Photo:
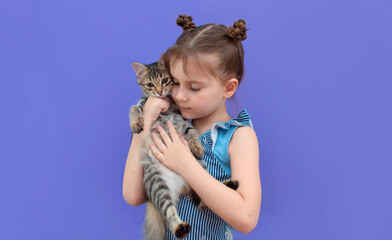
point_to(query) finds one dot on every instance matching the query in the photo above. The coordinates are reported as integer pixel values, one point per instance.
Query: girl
(207, 64)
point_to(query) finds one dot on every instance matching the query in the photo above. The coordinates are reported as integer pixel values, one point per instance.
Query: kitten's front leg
(195, 146)
(136, 117)
(194, 143)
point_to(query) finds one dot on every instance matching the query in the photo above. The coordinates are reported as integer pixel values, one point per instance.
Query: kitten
(163, 187)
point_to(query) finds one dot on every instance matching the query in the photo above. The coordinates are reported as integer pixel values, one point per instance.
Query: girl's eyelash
(193, 89)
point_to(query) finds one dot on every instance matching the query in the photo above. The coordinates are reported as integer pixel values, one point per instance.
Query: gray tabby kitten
(163, 187)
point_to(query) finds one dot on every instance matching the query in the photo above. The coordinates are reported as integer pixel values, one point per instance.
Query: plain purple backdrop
(317, 86)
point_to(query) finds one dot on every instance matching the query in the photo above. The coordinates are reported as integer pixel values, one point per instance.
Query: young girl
(207, 64)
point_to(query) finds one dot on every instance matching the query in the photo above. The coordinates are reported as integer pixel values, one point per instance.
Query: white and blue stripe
(206, 224)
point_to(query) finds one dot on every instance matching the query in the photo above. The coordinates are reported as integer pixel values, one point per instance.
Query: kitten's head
(153, 78)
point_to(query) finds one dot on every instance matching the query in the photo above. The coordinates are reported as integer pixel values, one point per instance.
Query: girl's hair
(200, 47)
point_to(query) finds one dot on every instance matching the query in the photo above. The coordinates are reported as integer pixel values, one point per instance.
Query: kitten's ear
(161, 63)
(139, 68)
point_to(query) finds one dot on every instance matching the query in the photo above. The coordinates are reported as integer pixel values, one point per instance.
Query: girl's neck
(204, 124)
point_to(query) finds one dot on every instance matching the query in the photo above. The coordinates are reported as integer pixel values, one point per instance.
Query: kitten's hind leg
(197, 201)
(164, 200)
(200, 204)
(232, 184)
(179, 228)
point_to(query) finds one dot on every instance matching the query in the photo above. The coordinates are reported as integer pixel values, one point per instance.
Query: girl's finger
(184, 141)
(164, 135)
(173, 132)
(162, 147)
(157, 153)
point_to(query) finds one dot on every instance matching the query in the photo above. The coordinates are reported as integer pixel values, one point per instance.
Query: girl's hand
(152, 108)
(174, 153)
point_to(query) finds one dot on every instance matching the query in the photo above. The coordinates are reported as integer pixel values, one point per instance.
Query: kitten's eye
(150, 85)
(165, 80)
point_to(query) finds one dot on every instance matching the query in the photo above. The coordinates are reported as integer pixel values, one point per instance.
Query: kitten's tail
(154, 226)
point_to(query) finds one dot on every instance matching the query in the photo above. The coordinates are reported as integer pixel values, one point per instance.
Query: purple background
(317, 86)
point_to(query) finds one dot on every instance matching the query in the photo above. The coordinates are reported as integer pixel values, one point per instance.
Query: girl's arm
(133, 188)
(239, 208)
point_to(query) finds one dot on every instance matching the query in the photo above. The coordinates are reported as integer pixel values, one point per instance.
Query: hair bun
(185, 22)
(238, 31)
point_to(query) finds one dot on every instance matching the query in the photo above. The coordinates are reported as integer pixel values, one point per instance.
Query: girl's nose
(181, 94)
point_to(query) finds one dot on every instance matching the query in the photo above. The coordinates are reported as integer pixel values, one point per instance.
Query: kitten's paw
(231, 184)
(182, 230)
(137, 126)
(197, 150)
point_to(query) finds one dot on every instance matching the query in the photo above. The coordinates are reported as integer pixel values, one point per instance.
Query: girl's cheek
(174, 91)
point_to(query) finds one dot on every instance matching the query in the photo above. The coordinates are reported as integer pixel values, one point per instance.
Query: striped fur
(163, 187)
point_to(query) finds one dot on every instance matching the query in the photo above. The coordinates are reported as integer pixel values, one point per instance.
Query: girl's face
(197, 95)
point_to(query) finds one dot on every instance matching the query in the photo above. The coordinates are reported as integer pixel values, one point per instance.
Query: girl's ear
(230, 87)
(139, 68)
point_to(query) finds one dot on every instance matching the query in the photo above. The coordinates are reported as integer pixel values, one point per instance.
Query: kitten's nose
(159, 90)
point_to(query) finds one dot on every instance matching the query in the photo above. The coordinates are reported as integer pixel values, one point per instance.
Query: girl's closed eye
(195, 89)
(192, 88)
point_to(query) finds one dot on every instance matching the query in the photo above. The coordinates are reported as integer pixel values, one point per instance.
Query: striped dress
(206, 224)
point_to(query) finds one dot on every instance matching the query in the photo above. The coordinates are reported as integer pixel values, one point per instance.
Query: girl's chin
(185, 114)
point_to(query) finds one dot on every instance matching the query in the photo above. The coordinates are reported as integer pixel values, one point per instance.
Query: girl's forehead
(198, 68)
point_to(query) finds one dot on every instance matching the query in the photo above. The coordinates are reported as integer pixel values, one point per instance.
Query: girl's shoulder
(243, 136)
(222, 133)
(243, 150)
(231, 137)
